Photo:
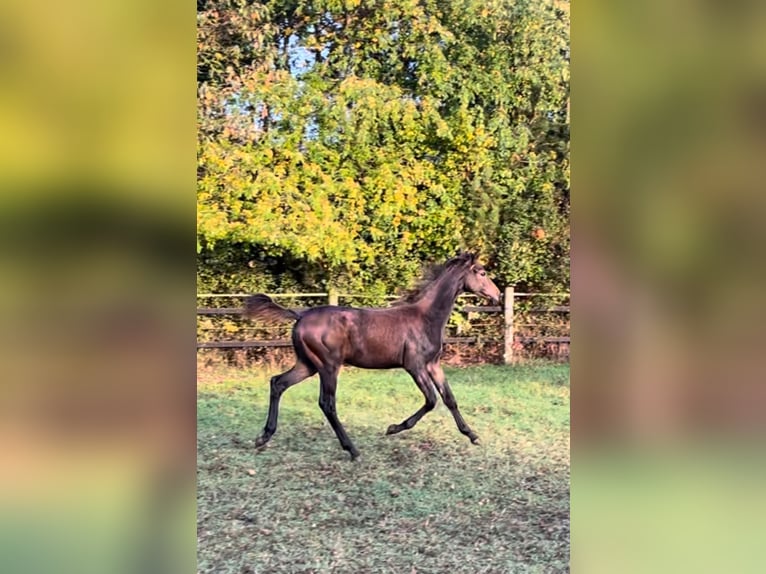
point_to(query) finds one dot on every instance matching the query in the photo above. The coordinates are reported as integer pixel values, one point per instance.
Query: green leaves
(350, 133)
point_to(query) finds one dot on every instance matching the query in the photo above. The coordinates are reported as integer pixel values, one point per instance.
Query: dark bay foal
(407, 335)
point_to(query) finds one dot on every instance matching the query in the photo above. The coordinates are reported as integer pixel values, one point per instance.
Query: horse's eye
(483, 273)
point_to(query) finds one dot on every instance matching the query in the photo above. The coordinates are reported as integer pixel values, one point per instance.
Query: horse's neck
(439, 301)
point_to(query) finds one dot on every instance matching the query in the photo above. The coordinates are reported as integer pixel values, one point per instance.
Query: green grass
(423, 501)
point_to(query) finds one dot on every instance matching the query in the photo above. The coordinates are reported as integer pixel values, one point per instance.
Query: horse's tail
(263, 307)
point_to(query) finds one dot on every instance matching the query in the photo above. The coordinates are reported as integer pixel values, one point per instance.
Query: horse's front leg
(423, 381)
(440, 381)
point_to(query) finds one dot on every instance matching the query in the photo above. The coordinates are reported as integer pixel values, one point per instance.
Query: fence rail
(510, 333)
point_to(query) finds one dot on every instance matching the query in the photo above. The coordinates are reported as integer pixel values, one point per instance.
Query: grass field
(423, 501)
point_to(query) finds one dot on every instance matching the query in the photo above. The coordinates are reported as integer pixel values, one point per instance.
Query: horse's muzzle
(493, 297)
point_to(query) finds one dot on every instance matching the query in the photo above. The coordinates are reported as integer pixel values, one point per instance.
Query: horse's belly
(368, 356)
(373, 349)
(372, 363)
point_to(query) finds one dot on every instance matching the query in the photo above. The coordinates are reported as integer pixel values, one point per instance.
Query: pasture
(423, 501)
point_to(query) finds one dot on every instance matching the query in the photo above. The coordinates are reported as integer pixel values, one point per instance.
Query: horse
(406, 335)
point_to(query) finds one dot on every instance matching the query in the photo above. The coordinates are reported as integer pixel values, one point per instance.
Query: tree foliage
(358, 138)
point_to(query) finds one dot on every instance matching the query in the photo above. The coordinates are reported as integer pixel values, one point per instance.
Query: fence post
(332, 296)
(508, 332)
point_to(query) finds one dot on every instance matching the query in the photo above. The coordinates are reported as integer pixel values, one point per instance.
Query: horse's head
(477, 281)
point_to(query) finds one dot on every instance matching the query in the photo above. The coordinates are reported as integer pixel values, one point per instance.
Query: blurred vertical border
(97, 244)
(669, 402)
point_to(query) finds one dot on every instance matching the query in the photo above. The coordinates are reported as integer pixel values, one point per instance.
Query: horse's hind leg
(423, 382)
(279, 384)
(329, 382)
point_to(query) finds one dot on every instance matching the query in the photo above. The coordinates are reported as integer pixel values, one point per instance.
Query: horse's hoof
(393, 429)
(354, 454)
(261, 441)
(475, 440)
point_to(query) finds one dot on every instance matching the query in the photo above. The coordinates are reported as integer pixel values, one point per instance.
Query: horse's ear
(466, 257)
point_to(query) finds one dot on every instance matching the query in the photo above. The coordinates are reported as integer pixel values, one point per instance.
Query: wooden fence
(510, 335)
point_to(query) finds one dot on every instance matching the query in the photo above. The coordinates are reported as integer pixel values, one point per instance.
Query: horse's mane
(432, 274)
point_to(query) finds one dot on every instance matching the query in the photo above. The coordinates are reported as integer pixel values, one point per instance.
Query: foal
(408, 335)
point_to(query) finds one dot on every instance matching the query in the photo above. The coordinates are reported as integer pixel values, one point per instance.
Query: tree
(346, 133)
